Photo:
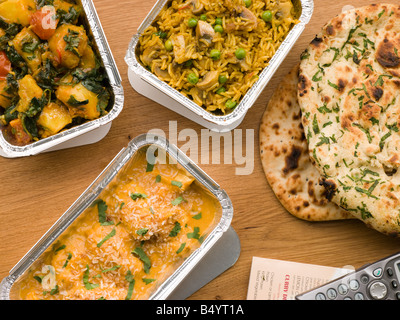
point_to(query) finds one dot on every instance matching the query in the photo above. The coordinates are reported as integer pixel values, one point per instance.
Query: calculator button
(343, 289)
(378, 290)
(364, 279)
(389, 272)
(398, 295)
(354, 285)
(331, 293)
(394, 284)
(358, 296)
(347, 298)
(377, 272)
(320, 296)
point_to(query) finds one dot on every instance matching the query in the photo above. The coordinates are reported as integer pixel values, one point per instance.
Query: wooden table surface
(37, 190)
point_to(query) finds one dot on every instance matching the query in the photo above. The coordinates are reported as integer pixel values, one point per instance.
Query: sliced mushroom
(245, 66)
(179, 49)
(197, 96)
(249, 16)
(195, 5)
(201, 97)
(162, 74)
(209, 79)
(150, 53)
(230, 58)
(205, 31)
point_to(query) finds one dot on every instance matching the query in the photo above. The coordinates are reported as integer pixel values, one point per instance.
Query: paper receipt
(283, 280)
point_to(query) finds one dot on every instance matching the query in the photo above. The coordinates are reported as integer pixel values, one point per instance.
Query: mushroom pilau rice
(213, 51)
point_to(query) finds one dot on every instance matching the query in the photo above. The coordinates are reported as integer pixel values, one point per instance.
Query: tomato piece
(20, 135)
(44, 22)
(5, 65)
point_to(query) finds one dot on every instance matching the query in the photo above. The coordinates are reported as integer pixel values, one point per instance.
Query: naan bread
(349, 84)
(285, 159)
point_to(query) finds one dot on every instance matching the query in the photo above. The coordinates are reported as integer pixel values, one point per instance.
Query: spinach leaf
(75, 103)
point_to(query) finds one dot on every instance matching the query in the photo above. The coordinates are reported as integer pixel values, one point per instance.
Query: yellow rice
(260, 42)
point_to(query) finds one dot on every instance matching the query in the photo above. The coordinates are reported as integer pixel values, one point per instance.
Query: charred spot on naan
(304, 85)
(330, 188)
(292, 159)
(388, 53)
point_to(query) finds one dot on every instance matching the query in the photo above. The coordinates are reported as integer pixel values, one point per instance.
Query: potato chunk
(5, 98)
(26, 43)
(68, 44)
(28, 89)
(53, 119)
(17, 11)
(88, 60)
(80, 101)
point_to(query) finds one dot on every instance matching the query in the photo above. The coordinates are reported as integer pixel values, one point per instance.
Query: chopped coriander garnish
(147, 281)
(195, 234)
(131, 280)
(88, 285)
(60, 248)
(144, 258)
(176, 183)
(102, 208)
(138, 195)
(197, 216)
(69, 256)
(142, 232)
(158, 178)
(111, 234)
(181, 248)
(150, 167)
(111, 269)
(175, 230)
(177, 201)
(54, 290)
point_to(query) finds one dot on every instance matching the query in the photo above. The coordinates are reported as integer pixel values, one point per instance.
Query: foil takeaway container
(149, 85)
(221, 222)
(92, 24)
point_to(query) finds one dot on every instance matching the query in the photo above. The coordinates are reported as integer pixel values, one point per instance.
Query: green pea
(267, 16)
(192, 22)
(222, 79)
(218, 21)
(240, 53)
(192, 78)
(230, 104)
(218, 28)
(247, 3)
(203, 17)
(221, 90)
(215, 54)
(168, 45)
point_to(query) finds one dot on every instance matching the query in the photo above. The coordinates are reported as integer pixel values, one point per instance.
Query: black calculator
(375, 281)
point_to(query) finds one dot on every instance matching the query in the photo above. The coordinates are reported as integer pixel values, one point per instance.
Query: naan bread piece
(285, 159)
(348, 91)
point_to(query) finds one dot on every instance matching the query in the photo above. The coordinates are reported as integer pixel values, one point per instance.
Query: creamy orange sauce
(144, 224)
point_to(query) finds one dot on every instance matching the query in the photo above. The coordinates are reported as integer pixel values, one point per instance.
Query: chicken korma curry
(142, 226)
